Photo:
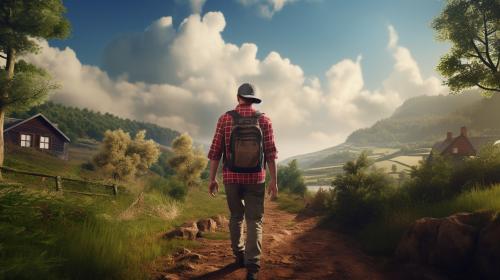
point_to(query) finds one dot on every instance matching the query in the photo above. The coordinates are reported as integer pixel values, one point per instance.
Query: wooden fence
(58, 182)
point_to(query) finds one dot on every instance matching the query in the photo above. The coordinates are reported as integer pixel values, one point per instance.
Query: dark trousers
(246, 201)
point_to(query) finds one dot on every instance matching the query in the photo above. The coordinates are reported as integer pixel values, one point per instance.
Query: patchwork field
(328, 164)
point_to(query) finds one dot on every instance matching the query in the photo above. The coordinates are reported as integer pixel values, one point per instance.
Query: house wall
(37, 127)
(464, 146)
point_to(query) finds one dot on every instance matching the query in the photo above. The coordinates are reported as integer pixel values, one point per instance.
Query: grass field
(63, 236)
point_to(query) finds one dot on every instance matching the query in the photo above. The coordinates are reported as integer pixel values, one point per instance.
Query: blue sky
(324, 68)
(313, 33)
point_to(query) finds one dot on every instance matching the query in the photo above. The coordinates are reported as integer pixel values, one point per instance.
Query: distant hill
(84, 123)
(423, 120)
(418, 122)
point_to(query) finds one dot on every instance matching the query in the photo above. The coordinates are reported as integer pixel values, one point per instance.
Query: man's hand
(272, 189)
(213, 187)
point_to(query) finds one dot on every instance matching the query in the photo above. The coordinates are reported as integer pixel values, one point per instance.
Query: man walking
(244, 138)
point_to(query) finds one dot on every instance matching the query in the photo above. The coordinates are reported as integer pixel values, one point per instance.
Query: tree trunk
(9, 67)
(2, 115)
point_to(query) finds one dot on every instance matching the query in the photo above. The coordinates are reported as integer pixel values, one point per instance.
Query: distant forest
(424, 120)
(84, 123)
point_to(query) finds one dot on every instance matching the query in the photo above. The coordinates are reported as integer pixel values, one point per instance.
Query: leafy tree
(162, 167)
(21, 23)
(360, 193)
(473, 27)
(430, 181)
(124, 158)
(188, 162)
(290, 178)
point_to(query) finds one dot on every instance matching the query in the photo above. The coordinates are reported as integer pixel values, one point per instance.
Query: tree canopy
(23, 20)
(473, 28)
(188, 162)
(291, 179)
(22, 23)
(123, 157)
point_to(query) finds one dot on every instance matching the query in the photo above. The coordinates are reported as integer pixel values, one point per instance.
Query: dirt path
(293, 249)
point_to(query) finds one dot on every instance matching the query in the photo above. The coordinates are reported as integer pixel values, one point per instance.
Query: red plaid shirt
(223, 129)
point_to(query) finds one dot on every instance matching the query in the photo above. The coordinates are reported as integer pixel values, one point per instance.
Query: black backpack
(246, 144)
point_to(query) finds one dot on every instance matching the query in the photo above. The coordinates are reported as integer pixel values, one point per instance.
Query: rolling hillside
(405, 137)
(84, 123)
(423, 120)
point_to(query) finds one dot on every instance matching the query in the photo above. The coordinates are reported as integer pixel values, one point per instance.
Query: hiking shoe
(251, 275)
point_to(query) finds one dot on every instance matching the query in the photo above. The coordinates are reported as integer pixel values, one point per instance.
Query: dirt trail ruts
(293, 248)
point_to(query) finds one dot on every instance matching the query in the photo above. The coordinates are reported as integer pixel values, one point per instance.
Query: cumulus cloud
(185, 78)
(266, 8)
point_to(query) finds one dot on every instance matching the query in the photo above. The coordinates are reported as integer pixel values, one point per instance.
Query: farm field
(382, 157)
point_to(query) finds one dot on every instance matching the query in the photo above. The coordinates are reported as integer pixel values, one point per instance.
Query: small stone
(205, 225)
(187, 231)
(221, 221)
(191, 257)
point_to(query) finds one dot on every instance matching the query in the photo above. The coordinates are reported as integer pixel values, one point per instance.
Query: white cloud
(185, 78)
(267, 8)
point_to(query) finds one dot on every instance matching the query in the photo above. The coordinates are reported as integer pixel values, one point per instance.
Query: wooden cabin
(36, 132)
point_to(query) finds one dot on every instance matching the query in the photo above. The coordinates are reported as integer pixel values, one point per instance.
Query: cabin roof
(476, 142)
(11, 123)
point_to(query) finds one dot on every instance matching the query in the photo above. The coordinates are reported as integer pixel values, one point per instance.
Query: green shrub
(360, 194)
(290, 178)
(321, 200)
(443, 178)
(381, 236)
(431, 181)
(171, 187)
(289, 202)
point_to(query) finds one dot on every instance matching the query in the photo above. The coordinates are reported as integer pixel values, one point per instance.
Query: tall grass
(382, 236)
(47, 236)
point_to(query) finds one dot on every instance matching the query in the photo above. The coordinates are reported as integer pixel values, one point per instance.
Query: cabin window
(25, 140)
(455, 150)
(44, 142)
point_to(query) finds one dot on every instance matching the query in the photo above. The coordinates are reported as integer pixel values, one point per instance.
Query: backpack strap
(236, 116)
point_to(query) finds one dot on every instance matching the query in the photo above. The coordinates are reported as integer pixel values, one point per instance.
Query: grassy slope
(101, 246)
(381, 237)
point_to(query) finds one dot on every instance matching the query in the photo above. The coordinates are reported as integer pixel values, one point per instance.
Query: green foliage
(290, 202)
(359, 193)
(84, 123)
(23, 20)
(441, 178)
(188, 162)
(473, 29)
(28, 237)
(172, 187)
(123, 158)
(431, 180)
(381, 236)
(29, 86)
(161, 167)
(290, 178)
(482, 170)
(322, 200)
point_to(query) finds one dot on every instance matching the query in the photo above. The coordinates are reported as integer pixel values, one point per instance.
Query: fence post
(115, 189)
(58, 184)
